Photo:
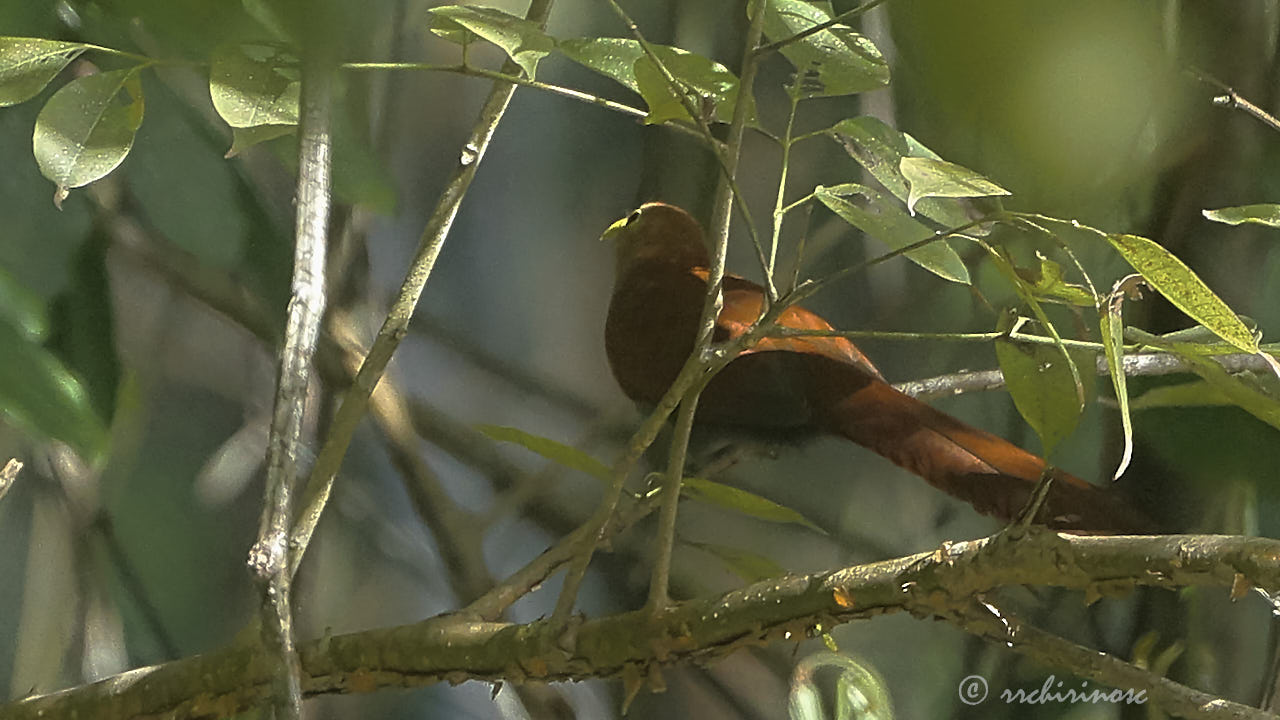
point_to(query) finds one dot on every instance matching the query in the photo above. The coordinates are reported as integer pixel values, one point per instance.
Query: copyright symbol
(973, 690)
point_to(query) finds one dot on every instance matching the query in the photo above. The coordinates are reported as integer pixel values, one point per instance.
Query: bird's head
(657, 232)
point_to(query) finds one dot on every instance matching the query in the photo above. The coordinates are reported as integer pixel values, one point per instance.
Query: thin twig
(1234, 100)
(1141, 364)
(9, 474)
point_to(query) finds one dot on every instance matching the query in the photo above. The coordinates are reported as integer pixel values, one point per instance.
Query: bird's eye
(634, 216)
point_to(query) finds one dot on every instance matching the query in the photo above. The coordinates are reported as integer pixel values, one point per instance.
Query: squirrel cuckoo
(799, 386)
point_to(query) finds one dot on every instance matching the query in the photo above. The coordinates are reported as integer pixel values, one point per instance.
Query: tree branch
(637, 644)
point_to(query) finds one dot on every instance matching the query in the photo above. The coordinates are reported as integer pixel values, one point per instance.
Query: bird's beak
(614, 230)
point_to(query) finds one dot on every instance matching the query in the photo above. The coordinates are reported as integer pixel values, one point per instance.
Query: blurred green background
(1087, 110)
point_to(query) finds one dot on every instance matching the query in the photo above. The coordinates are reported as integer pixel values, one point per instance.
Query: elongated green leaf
(744, 502)
(522, 40)
(880, 149)
(569, 457)
(711, 84)
(1265, 214)
(1256, 395)
(834, 61)
(1245, 390)
(86, 129)
(938, 178)
(750, 566)
(1043, 388)
(1111, 325)
(27, 65)
(39, 394)
(867, 210)
(255, 84)
(22, 307)
(1181, 286)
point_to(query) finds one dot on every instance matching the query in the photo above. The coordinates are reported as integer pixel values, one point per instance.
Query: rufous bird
(798, 386)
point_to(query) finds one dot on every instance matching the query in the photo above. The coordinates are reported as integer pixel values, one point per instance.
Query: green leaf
(749, 566)
(1111, 324)
(1046, 281)
(1042, 385)
(741, 501)
(1245, 390)
(1197, 393)
(87, 128)
(27, 65)
(938, 178)
(834, 61)
(39, 394)
(1181, 286)
(255, 84)
(892, 226)
(522, 40)
(708, 82)
(1257, 395)
(880, 149)
(22, 307)
(1265, 214)
(569, 457)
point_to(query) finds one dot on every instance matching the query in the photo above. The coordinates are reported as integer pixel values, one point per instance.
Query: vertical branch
(688, 384)
(269, 558)
(356, 401)
(723, 201)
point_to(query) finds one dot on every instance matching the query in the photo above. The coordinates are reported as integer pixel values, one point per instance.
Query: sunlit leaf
(834, 61)
(1265, 214)
(87, 128)
(255, 84)
(711, 85)
(522, 40)
(880, 149)
(867, 210)
(741, 501)
(558, 452)
(1111, 325)
(27, 65)
(928, 177)
(1181, 286)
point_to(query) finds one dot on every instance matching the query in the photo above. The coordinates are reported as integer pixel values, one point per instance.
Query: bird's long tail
(993, 475)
